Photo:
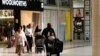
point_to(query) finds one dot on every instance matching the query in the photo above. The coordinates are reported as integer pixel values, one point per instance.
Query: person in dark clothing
(45, 32)
(8, 33)
(38, 40)
(37, 29)
(37, 32)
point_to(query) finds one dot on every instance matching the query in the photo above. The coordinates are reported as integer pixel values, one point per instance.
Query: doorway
(31, 17)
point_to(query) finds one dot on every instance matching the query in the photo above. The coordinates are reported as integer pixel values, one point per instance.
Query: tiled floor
(75, 44)
(81, 51)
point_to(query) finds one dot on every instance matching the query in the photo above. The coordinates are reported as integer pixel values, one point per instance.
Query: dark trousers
(9, 41)
(30, 42)
(47, 49)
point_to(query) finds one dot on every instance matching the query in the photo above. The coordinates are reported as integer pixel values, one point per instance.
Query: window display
(78, 29)
(81, 19)
(6, 16)
(78, 23)
(78, 12)
(78, 3)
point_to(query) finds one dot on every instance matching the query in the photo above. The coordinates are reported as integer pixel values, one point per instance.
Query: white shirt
(29, 32)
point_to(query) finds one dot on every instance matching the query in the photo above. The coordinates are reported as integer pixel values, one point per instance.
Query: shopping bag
(58, 46)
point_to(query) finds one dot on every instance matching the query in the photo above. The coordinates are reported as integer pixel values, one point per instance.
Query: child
(51, 36)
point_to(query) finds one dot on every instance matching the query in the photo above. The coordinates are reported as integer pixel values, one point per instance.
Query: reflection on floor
(81, 51)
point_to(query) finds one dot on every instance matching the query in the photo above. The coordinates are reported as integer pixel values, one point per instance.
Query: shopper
(8, 33)
(25, 43)
(29, 36)
(45, 33)
(13, 37)
(37, 33)
(19, 41)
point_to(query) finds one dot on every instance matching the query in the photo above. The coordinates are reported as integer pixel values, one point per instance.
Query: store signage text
(14, 3)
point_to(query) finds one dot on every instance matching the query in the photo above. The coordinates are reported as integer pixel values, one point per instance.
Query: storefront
(53, 15)
(58, 13)
(16, 12)
(81, 20)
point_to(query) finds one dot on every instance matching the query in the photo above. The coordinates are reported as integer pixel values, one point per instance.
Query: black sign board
(27, 5)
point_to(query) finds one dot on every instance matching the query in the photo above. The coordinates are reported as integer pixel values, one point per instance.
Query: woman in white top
(20, 40)
(29, 36)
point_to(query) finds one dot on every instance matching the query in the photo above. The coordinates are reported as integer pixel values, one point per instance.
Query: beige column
(96, 27)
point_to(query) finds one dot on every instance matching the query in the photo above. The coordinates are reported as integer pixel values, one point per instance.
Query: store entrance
(31, 17)
(6, 15)
(27, 17)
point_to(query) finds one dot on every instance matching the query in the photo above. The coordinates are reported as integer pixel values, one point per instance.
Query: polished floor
(80, 51)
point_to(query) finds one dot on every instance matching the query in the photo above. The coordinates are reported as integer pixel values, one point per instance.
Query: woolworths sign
(21, 5)
(14, 3)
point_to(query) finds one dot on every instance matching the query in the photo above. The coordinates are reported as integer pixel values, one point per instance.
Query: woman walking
(20, 41)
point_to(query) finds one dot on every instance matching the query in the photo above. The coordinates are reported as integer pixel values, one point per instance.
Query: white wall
(57, 19)
(50, 16)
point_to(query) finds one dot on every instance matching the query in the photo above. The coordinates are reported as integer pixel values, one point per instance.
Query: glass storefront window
(61, 25)
(49, 2)
(5, 16)
(78, 3)
(64, 3)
